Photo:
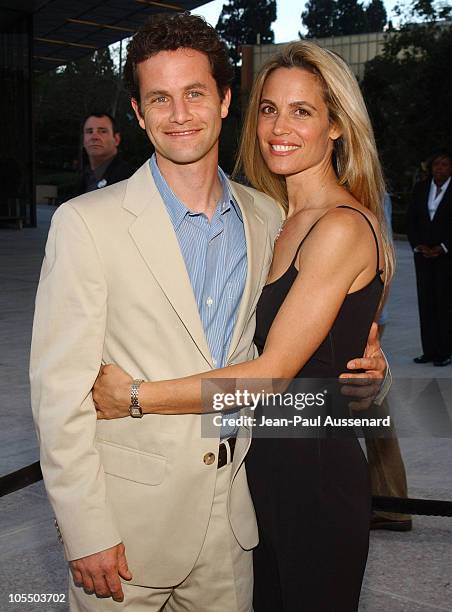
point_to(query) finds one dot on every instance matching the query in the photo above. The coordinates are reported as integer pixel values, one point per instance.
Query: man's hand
(111, 392)
(429, 252)
(99, 573)
(422, 248)
(434, 252)
(373, 361)
(364, 387)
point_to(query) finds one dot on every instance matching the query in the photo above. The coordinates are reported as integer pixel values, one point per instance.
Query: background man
(144, 286)
(100, 141)
(430, 235)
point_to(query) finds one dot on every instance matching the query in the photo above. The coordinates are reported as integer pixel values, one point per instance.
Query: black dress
(312, 495)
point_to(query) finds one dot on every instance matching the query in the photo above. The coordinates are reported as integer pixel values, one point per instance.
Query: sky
(288, 22)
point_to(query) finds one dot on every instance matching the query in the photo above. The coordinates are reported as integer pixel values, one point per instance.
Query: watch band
(135, 410)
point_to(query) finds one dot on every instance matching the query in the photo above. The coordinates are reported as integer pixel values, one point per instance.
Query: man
(164, 285)
(100, 141)
(430, 235)
(386, 466)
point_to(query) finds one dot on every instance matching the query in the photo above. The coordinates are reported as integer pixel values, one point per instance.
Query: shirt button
(209, 458)
(214, 361)
(209, 301)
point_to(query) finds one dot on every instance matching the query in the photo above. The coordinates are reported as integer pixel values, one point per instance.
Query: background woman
(314, 153)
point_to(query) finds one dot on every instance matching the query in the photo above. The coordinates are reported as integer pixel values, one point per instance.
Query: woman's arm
(339, 253)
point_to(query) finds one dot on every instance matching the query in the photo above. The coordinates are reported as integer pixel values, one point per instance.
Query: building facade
(356, 49)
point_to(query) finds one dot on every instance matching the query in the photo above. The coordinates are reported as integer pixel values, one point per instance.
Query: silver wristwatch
(135, 410)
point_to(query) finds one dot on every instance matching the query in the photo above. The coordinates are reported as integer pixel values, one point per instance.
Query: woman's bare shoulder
(343, 236)
(345, 221)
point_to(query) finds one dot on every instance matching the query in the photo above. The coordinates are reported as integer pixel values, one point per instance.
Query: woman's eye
(302, 112)
(267, 110)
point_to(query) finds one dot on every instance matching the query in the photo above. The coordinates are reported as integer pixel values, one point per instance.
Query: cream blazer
(114, 288)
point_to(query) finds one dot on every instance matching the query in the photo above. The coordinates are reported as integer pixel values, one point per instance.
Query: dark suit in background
(433, 274)
(102, 164)
(115, 170)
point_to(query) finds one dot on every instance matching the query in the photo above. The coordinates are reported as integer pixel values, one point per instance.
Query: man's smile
(180, 133)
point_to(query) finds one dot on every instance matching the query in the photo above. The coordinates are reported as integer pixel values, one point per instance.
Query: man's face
(180, 106)
(441, 169)
(99, 140)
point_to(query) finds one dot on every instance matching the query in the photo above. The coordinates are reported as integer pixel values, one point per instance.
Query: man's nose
(180, 111)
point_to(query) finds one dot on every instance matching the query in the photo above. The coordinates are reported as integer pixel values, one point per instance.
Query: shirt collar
(444, 186)
(177, 209)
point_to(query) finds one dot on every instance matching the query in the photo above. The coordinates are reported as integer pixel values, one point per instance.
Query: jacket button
(209, 458)
(57, 527)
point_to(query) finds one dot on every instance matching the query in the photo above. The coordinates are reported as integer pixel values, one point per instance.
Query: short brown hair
(172, 31)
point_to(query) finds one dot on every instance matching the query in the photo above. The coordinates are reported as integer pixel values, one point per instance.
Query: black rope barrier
(398, 505)
(20, 479)
(401, 505)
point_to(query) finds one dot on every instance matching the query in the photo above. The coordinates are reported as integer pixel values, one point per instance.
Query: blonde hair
(355, 156)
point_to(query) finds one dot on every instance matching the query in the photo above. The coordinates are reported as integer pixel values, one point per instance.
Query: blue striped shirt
(215, 257)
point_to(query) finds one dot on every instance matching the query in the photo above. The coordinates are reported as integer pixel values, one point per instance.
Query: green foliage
(319, 18)
(376, 16)
(63, 97)
(324, 18)
(245, 22)
(241, 22)
(408, 90)
(350, 18)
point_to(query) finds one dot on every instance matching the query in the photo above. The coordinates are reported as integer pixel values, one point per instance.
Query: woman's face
(293, 129)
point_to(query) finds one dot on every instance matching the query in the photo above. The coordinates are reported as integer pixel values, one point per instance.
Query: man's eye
(194, 94)
(160, 99)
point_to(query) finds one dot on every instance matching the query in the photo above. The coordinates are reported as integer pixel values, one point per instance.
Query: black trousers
(434, 292)
(313, 503)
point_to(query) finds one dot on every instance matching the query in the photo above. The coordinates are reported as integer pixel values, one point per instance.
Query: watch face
(135, 411)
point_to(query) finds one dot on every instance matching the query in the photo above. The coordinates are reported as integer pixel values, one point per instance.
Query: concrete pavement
(406, 572)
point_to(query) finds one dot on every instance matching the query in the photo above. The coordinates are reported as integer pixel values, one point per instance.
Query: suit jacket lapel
(256, 241)
(424, 202)
(156, 240)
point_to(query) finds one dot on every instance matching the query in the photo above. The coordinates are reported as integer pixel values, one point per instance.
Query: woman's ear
(335, 131)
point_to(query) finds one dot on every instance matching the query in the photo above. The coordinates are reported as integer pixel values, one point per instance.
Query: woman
(315, 154)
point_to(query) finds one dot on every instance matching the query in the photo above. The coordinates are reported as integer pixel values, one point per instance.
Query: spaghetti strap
(378, 270)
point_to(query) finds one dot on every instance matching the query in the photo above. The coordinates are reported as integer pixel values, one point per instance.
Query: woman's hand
(111, 392)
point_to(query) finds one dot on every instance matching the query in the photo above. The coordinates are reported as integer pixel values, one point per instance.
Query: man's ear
(139, 116)
(225, 103)
(117, 138)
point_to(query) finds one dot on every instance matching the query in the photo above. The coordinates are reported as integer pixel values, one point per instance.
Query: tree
(376, 16)
(350, 18)
(246, 22)
(63, 97)
(319, 18)
(408, 91)
(103, 64)
(324, 18)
